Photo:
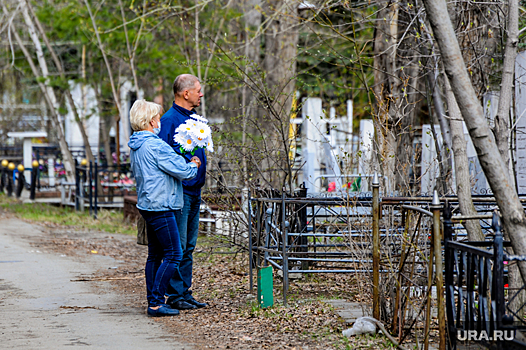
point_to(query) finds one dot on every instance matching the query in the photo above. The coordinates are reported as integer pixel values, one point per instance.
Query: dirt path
(43, 307)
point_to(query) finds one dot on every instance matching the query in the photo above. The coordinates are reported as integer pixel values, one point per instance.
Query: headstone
(312, 150)
(128, 95)
(429, 165)
(366, 147)
(51, 172)
(87, 107)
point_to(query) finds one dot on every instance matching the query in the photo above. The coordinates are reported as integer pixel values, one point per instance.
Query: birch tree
(46, 89)
(502, 124)
(25, 5)
(513, 216)
(462, 176)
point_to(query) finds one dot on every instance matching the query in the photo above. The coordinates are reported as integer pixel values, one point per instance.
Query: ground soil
(232, 320)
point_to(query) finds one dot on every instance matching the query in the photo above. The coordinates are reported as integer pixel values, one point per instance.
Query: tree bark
(281, 41)
(496, 172)
(385, 37)
(396, 88)
(132, 52)
(506, 87)
(252, 18)
(58, 64)
(68, 159)
(49, 96)
(462, 177)
(116, 99)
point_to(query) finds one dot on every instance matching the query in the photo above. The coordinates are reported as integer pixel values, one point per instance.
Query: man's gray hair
(184, 82)
(142, 113)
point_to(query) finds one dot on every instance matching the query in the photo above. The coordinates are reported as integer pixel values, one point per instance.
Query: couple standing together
(168, 196)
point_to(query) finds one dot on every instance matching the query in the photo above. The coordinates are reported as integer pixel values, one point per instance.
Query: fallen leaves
(233, 319)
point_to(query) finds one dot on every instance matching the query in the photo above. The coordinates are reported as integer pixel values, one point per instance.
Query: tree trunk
(68, 159)
(116, 99)
(385, 36)
(496, 172)
(58, 64)
(281, 41)
(462, 167)
(48, 92)
(506, 87)
(396, 80)
(252, 56)
(445, 153)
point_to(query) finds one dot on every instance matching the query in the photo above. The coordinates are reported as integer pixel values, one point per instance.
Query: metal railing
(101, 186)
(476, 299)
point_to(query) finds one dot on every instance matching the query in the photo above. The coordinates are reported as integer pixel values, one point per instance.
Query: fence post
(90, 184)
(498, 269)
(435, 208)
(429, 295)
(284, 237)
(268, 219)
(10, 174)
(3, 175)
(376, 247)
(77, 186)
(96, 190)
(250, 254)
(34, 175)
(449, 270)
(20, 181)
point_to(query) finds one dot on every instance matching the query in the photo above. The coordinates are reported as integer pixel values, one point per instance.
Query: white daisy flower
(201, 130)
(185, 141)
(185, 127)
(199, 118)
(194, 134)
(210, 145)
(199, 141)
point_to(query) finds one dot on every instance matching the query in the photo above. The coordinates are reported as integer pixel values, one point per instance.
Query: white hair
(142, 113)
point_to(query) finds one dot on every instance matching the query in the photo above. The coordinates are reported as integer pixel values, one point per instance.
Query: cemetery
(332, 174)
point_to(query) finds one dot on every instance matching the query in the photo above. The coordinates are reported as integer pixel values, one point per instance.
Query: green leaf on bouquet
(181, 149)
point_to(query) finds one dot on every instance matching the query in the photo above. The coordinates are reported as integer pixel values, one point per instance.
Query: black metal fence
(102, 186)
(478, 306)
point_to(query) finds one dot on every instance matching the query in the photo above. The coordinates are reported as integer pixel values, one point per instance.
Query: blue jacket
(174, 117)
(158, 172)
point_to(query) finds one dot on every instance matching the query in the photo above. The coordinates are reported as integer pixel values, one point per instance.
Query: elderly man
(187, 96)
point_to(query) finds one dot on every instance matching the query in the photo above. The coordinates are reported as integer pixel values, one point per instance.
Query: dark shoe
(164, 310)
(182, 305)
(197, 304)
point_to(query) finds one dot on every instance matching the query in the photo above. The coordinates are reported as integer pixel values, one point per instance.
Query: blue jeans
(188, 224)
(164, 254)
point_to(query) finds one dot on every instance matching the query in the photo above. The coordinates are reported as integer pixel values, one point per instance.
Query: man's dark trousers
(188, 224)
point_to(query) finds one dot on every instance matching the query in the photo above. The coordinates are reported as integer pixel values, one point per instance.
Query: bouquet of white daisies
(193, 134)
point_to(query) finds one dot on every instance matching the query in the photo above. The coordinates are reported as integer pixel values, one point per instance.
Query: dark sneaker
(197, 304)
(182, 305)
(164, 310)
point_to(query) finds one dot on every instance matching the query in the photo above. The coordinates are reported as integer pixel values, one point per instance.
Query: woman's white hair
(142, 113)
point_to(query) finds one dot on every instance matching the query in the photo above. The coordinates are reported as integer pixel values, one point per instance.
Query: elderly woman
(158, 171)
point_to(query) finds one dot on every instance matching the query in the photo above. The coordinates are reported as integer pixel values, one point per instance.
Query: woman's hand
(196, 160)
